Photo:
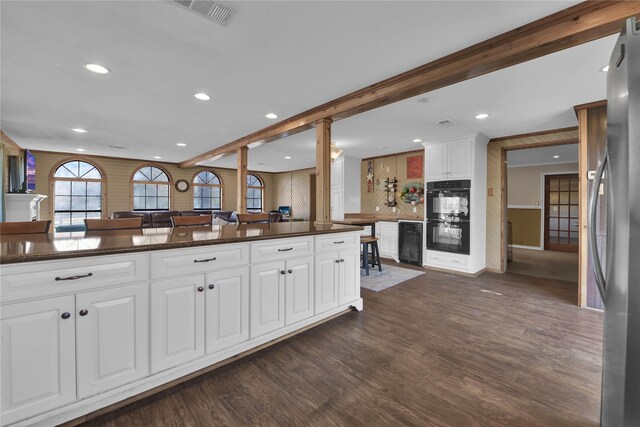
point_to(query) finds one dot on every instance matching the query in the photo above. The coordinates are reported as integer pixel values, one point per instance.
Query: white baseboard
(533, 248)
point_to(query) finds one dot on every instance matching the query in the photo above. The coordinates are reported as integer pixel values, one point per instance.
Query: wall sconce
(335, 151)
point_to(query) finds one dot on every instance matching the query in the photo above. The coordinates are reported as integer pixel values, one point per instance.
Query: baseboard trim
(456, 272)
(533, 248)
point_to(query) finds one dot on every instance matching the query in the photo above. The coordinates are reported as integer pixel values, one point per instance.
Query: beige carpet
(545, 264)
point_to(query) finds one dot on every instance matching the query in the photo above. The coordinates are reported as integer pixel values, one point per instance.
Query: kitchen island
(92, 320)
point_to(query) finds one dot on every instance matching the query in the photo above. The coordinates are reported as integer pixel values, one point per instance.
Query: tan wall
(383, 167)
(525, 183)
(525, 225)
(293, 189)
(118, 175)
(496, 247)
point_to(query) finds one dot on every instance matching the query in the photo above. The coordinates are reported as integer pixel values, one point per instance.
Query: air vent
(117, 147)
(216, 11)
(446, 123)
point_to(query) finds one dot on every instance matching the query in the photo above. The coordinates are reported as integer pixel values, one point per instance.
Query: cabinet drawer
(280, 249)
(46, 278)
(176, 262)
(332, 242)
(447, 260)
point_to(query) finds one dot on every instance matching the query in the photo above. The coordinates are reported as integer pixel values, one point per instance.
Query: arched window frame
(251, 193)
(52, 191)
(134, 182)
(219, 186)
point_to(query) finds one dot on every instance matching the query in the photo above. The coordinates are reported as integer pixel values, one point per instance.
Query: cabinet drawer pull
(290, 271)
(341, 259)
(212, 286)
(66, 315)
(205, 260)
(81, 276)
(337, 261)
(285, 250)
(282, 272)
(84, 312)
(200, 288)
(337, 243)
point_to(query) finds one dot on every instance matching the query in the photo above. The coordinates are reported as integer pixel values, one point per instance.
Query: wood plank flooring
(433, 351)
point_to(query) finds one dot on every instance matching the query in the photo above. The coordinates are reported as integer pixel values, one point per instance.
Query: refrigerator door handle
(593, 207)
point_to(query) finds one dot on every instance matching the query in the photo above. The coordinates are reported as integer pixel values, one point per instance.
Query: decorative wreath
(413, 193)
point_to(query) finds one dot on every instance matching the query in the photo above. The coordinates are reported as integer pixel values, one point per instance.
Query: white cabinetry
(299, 289)
(112, 338)
(337, 278)
(345, 187)
(227, 309)
(38, 357)
(387, 233)
(267, 297)
(448, 160)
(177, 321)
(464, 157)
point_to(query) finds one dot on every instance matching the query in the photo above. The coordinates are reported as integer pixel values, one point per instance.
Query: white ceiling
(543, 156)
(281, 57)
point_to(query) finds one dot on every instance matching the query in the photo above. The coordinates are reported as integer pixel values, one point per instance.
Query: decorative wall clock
(182, 185)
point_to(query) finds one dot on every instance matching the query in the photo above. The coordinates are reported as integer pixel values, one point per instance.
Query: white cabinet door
(349, 276)
(267, 298)
(388, 243)
(299, 289)
(177, 321)
(327, 279)
(227, 308)
(459, 160)
(337, 173)
(437, 162)
(112, 338)
(337, 204)
(38, 357)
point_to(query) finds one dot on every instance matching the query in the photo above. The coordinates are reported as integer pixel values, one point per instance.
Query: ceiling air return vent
(446, 123)
(216, 11)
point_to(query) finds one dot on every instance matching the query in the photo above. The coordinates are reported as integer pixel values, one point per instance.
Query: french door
(562, 211)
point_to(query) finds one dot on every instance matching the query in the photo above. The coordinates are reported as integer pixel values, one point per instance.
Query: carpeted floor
(390, 276)
(545, 264)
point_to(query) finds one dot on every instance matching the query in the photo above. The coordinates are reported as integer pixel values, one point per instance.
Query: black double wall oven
(448, 213)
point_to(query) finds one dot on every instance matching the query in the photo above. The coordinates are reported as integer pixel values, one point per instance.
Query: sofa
(156, 219)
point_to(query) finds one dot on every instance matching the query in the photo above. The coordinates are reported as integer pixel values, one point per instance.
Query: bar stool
(365, 242)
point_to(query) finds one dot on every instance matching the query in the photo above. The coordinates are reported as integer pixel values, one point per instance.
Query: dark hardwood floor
(433, 351)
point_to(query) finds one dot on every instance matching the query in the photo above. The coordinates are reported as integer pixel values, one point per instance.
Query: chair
(252, 218)
(367, 241)
(25, 227)
(191, 220)
(113, 224)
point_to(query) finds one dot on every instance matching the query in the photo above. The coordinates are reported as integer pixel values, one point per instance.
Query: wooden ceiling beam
(570, 27)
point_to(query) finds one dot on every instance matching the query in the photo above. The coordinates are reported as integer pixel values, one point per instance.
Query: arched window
(255, 189)
(151, 189)
(207, 191)
(77, 192)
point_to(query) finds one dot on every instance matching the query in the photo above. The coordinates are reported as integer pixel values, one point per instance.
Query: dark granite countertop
(40, 247)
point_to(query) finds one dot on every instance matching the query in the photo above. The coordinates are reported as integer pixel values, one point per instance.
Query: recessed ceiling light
(287, 157)
(271, 116)
(417, 140)
(556, 157)
(157, 157)
(202, 96)
(79, 130)
(181, 144)
(80, 149)
(97, 68)
(604, 69)
(482, 116)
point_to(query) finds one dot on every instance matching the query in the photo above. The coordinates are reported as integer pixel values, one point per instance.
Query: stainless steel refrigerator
(619, 279)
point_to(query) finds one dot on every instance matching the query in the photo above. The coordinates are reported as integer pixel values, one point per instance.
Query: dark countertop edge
(19, 259)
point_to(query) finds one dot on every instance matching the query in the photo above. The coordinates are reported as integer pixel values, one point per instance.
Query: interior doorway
(543, 211)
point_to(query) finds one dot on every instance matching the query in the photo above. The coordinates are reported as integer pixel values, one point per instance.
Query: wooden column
(241, 180)
(323, 172)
